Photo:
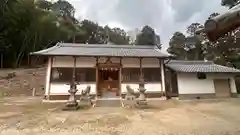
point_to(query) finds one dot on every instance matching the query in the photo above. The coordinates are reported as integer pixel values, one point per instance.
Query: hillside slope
(20, 82)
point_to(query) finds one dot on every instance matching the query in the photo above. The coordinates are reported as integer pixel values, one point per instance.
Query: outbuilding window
(201, 76)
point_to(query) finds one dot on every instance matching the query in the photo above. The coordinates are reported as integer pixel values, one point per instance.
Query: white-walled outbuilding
(200, 79)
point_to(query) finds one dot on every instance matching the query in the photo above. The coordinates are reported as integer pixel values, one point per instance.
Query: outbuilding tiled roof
(199, 66)
(70, 49)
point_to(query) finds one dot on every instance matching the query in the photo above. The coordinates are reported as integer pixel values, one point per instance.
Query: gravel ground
(23, 116)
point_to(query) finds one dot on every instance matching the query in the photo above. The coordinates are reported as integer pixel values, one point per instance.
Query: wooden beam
(97, 78)
(120, 78)
(170, 75)
(121, 61)
(141, 71)
(1, 60)
(74, 69)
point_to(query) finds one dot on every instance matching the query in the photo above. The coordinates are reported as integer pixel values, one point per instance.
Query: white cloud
(165, 16)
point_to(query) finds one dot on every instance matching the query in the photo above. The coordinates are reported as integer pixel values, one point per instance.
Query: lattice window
(64, 75)
(133, 74)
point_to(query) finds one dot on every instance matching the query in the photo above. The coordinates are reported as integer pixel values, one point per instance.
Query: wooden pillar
(170, 80)
(28, 61)
(120, 78)
(48, 77)
(1, 60)
(97, 78)
(141, 71)
(74, 69)
(141, 79)
(163, 89)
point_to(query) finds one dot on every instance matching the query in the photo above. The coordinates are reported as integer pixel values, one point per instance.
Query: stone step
(108, 103)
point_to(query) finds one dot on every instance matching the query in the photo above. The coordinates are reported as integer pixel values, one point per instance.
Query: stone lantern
(72, 102)
(141, 101)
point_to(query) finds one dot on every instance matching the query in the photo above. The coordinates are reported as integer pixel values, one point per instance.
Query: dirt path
(166, 118)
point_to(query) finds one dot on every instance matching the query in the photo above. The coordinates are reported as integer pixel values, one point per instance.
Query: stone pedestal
(141, 101)
(129, 101)
(72, 102)
(129, 97)
(85, 102)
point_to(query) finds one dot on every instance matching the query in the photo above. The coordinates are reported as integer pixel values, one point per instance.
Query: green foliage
(30, 25)
(187, 47)
(197, 47)
(177, 46)
(118, 36)
(148, 37)
(63, 8)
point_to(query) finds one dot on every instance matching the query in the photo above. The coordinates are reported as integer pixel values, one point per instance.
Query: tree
(225, 49)
(30, 25)
(118, 36)
(218, 26)
(229, 3)
(195, 42)
(190, 46)
(148, 37)
(177, 46)
(43, 4)
(26, 27)
(64, 8)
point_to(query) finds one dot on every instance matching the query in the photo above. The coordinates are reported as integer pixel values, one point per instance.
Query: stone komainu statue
(131, 95)
(85, 96)
(86, 92)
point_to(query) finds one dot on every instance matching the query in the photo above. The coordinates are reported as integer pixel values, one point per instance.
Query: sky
(165, 16)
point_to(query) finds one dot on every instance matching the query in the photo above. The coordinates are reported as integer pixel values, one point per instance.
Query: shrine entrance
(108, 81)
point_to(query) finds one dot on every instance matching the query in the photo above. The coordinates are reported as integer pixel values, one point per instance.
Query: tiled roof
(199, 66)
(69, 49)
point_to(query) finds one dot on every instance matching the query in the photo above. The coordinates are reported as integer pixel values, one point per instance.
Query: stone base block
(70, 108)
(85, 102)
(142, 104)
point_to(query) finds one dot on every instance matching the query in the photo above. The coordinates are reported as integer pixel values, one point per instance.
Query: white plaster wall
(150, 62)
(130, 62)
(85, 62)
(66, 61)
(188, 83)
(151, 87)
(135, 62)
(103, 60)
(62, 61)
(62, 89)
